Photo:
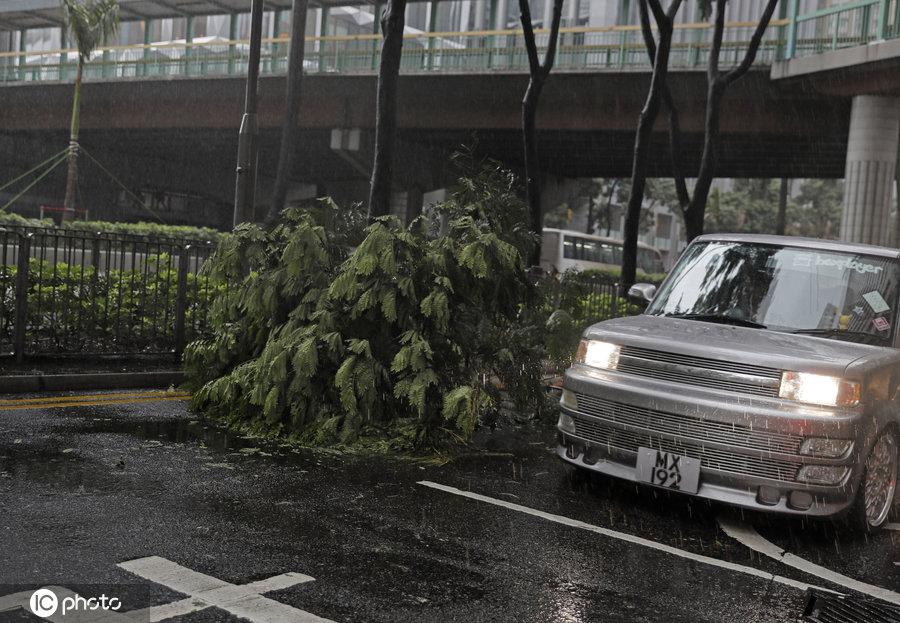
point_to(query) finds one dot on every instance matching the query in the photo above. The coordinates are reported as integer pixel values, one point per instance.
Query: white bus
(564, 249)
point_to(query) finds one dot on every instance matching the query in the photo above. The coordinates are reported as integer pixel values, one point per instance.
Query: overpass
(164, 114)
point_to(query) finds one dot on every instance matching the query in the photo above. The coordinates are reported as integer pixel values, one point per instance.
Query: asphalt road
(503, 534)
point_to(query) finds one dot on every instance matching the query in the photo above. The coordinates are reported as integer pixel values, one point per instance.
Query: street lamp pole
(245, 184)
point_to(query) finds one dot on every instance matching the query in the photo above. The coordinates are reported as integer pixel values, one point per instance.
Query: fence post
(21, 317)
(181, 300)
(614, 301)
(791, 48)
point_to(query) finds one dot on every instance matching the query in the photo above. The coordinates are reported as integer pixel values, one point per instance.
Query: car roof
(805, 243)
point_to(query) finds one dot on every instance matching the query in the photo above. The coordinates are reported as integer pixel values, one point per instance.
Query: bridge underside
(180, 134)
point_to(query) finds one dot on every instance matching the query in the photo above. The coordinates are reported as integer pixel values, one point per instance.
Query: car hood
(760, 347)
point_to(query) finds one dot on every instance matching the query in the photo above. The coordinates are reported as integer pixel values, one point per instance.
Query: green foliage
(72, 308)
(158, 230)
(410, 335)
(92, 22)
(751, 206)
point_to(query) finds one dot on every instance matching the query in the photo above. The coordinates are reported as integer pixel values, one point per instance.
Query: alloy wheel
(881, 480)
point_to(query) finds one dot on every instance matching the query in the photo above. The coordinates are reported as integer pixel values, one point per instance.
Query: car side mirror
(641, 293)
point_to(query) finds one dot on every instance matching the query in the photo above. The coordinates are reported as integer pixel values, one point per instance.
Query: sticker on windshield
(881, 323)
(858, 310)
(876, 301)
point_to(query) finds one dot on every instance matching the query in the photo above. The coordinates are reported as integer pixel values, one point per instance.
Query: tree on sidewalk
(660, 67)
(92, 23)
(392, 25)
(538, 73)
(693, 207)
(717, 84)
(291, 108)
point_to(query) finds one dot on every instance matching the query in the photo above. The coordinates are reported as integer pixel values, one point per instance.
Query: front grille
(711, 458)
(689, 370)
(694, 428)
(700, 362)
(829, 608)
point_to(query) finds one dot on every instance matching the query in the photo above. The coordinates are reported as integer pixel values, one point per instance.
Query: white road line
(748, 535)
(204, 591)
(892, 526)
(629, 538)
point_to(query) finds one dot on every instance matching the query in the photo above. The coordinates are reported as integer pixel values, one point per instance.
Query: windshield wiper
(841, 333)
(740, 322)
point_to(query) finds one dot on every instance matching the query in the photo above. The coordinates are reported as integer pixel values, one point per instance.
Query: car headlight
(598, 354)
(818, 389)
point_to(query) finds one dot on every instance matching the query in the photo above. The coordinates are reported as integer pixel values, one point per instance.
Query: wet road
(506, 534)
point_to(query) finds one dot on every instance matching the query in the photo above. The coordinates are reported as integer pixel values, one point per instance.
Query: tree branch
(712, 72)
(755, 41)
(647, 30)
(658, 14)
(534, 64)
(554, 37)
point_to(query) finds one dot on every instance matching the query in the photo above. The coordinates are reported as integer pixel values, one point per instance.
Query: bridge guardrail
(580, 48)
(67, 292)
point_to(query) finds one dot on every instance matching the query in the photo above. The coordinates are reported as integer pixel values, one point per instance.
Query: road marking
(629, 538)
(245, 601)
(892, 526)
(88, 397)
(748, 536)
(98, 403)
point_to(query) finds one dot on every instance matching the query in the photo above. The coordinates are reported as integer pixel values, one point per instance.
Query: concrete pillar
(871, 165)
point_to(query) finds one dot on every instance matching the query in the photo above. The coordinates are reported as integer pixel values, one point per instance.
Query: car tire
(876, 496)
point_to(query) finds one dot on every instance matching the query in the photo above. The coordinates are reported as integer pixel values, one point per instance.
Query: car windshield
(836, 295)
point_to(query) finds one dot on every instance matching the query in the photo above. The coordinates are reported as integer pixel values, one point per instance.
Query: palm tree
(92, 23)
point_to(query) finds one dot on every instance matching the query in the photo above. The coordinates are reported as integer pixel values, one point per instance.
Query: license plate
(667, 470)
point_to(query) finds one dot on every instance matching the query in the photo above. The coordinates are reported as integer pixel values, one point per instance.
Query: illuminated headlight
(817, 389)
(828, 448)
(566, 423)
(822, 474)
(598, 354)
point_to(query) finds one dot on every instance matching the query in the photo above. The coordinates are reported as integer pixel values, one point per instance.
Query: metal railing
(841, 26)
(607, 48)
(580, 49)
(70, 292)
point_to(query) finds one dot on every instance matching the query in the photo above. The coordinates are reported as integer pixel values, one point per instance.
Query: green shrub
(71, 308)
(158, 230)
(615, 273)
(411, 336)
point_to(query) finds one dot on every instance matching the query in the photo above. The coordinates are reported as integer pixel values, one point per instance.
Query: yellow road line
(87, 397)
(62, 405)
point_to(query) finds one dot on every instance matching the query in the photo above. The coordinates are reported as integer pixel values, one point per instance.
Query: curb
(71, 382)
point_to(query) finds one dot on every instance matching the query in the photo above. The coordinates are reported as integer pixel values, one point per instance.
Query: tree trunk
(72, 175)
(292, 108)
(781, 221)
(642, 149)
(386, 108)
(717, 85)
(532, 164)
(693, 218)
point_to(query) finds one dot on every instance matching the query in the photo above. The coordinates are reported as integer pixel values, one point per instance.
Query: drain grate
(829, 608)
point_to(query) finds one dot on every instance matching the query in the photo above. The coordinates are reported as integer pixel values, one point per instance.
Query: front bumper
(745, 443)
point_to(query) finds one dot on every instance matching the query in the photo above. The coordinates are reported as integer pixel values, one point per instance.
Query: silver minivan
(764, 373)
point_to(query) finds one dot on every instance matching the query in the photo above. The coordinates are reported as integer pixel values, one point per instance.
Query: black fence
(589, 298)
(80, 293)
